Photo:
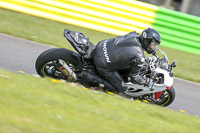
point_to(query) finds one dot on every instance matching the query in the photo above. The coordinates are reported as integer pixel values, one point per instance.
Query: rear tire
(49, 58)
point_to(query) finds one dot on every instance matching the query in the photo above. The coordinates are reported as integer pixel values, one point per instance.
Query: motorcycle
(61, 63)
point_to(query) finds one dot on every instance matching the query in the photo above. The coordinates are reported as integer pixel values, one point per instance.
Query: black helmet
(150, 40)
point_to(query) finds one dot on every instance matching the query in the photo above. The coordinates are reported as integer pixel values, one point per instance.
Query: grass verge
(29, 105)
(51, 32)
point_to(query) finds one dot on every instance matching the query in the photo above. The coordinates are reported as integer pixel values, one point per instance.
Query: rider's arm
(138, 63)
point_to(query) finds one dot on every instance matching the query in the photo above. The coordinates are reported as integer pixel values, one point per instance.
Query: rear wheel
(46, 62)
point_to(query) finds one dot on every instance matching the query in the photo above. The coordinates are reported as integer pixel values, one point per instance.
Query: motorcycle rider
(125, 53)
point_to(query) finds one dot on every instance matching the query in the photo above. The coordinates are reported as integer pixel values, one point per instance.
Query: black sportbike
(61, 63)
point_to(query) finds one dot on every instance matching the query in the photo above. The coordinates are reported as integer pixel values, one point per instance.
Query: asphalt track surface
(18, 54)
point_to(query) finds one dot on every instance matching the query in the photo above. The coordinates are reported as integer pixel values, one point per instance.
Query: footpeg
(64, 68)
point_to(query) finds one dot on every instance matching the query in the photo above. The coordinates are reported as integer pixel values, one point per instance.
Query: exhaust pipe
(64, 68)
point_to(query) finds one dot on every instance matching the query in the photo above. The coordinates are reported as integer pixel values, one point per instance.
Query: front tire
(46, 62)
(167, 98)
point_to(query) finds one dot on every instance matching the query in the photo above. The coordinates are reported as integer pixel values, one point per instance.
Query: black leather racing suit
(119, 53)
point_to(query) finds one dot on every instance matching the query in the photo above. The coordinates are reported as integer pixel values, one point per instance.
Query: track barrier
(178, 30)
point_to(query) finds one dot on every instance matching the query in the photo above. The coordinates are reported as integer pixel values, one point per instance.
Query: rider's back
(117, 53)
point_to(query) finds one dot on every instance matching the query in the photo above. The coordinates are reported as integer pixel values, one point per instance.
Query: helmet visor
(154, 45)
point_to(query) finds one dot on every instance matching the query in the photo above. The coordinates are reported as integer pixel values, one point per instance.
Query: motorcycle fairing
(168, 81)
(80, 42)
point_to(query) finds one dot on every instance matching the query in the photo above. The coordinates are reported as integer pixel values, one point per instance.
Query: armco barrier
(118, 17)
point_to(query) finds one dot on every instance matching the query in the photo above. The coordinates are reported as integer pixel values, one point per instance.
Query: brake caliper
(158, 94)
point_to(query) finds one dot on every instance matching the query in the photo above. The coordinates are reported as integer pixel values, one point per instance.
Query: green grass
(33, 105)
(51, 32)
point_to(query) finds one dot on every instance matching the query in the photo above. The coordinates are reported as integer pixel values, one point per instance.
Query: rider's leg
(115, 79)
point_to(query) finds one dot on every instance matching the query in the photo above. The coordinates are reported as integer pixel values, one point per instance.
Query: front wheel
(166, 98)
(46, 62)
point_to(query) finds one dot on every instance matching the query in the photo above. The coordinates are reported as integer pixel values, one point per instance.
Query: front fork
(158, 94)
